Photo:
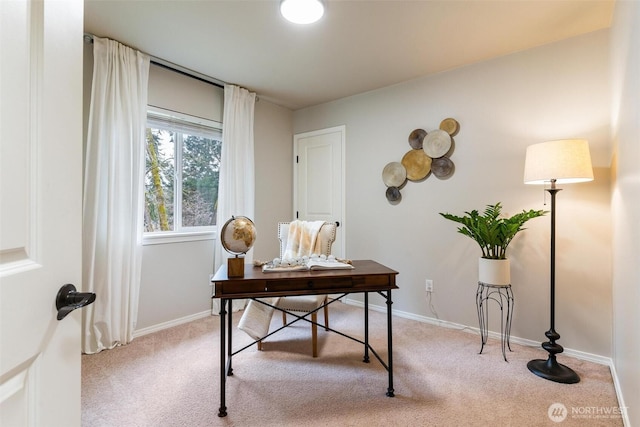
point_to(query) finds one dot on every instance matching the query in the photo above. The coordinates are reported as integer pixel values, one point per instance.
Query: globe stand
(237, 237)
(235, 267)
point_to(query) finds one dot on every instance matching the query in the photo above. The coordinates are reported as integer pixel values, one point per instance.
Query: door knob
(68, 299)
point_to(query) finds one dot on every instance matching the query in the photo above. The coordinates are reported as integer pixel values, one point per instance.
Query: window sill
(177, 237)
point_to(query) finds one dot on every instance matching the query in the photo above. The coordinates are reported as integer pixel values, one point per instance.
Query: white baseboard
(602, 360)
(170, 324)
(616, 384)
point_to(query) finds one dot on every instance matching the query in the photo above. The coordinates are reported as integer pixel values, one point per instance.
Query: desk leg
(390, 391)
(222, 412)
(366, 327)
(229, 339)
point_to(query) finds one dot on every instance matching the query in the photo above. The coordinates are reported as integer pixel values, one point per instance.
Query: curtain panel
(113, 198)
(236, 188)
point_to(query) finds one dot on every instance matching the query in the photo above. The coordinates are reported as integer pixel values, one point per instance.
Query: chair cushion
(302, 302)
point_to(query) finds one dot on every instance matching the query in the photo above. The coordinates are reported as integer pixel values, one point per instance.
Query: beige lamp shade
(565, 161)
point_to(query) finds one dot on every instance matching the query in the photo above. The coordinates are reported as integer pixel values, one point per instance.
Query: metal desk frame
(366, 277)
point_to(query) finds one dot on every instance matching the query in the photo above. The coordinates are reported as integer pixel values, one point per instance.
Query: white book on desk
(328, 265)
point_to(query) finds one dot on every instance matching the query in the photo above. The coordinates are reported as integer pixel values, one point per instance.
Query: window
(181, 173)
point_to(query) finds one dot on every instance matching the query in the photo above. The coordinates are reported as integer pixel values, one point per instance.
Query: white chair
(308, 303)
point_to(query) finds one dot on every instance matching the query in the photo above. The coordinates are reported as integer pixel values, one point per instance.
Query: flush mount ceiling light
(302, 11)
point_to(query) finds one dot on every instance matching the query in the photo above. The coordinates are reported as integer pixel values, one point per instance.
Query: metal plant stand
(502, 295)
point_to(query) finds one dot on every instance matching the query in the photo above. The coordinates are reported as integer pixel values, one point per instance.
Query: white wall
(503, 105)
(184, 94)
(273, 139)
(175, 282)
(625, 45)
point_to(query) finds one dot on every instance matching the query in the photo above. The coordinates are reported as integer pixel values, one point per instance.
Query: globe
(238, 235)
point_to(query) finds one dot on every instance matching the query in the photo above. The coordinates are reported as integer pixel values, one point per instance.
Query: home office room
(283, 223)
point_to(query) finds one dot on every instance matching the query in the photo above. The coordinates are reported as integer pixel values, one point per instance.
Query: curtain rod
(88, 38)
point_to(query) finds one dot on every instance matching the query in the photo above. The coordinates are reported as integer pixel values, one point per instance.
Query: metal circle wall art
(393, 194)
(417, 164)
(394, 174)
(437, 144)
(442, 167)
(429, 154)
(416, 138)
(451, 126)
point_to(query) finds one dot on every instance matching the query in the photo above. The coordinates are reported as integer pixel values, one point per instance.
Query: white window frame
(180, 233)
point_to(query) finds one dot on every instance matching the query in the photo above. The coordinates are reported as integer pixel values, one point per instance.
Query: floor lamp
(556, 162)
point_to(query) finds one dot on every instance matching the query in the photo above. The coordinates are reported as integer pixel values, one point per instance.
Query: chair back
(326, 237)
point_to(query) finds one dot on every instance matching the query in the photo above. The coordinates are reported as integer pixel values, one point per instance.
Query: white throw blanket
(301, 238)
(256, 318)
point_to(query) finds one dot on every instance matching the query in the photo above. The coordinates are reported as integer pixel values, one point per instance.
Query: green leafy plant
(492, 232)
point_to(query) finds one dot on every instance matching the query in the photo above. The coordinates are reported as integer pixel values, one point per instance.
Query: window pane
(182, 173)
(159, 180)
(200, 174)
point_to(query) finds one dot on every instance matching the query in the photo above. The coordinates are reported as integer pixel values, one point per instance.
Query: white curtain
(236, 188)
(113, 201)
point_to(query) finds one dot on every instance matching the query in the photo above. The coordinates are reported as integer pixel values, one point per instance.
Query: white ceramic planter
(494, 271)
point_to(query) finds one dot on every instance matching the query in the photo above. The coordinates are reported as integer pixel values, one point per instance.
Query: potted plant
(493, 233)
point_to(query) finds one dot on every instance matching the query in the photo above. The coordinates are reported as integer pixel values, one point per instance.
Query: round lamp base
(551, 370)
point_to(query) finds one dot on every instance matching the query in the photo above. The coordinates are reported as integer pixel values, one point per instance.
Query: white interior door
(319, 180)
(40, 210)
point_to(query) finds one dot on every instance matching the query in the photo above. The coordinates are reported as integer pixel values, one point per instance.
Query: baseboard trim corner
(619, 395)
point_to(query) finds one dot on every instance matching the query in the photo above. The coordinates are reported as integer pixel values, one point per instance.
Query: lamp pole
(550, 369)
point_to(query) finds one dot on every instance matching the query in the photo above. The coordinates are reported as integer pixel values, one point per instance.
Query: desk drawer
(311, 283)
(240, 287)
(382, 280)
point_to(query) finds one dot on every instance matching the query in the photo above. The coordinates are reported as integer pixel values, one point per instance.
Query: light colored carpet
(171, 378)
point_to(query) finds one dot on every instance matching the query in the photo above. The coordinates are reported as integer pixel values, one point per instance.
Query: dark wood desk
(367, 276)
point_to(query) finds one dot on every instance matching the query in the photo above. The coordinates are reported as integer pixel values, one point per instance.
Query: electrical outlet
(429, 285)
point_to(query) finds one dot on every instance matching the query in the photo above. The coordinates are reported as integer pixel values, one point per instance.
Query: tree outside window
(182, 174)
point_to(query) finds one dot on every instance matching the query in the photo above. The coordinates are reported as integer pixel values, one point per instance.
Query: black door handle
(68, 300)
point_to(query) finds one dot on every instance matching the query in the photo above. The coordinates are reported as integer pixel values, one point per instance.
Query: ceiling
(358, 46)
